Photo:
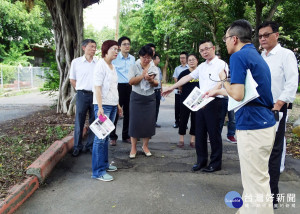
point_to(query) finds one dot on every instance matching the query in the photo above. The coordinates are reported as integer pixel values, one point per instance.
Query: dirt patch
(23, 140)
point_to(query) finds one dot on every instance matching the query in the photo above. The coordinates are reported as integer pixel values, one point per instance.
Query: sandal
(180, 144)
(192, 144)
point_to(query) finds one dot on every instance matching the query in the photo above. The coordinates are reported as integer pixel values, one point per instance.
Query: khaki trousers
(254, 148)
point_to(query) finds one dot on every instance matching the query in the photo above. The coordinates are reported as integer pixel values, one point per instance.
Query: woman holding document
(143, 78)
(185, 112)
(105, 102)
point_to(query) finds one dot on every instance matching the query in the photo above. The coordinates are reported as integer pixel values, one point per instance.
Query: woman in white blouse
(105, 102)
(143, 76)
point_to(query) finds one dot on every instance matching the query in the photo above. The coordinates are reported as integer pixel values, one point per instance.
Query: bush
(51, 77)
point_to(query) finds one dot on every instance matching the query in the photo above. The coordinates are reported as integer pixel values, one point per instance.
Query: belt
(86, 91)
(158, 89)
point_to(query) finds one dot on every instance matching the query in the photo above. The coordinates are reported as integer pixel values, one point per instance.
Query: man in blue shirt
(122, 64)
(183, 61)
(157, 89)
(255, 122)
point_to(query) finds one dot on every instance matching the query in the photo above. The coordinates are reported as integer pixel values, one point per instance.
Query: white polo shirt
(284, 73)
(82, 71)
(207, 72)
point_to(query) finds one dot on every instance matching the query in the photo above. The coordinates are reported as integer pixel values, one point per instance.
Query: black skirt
(142, 110)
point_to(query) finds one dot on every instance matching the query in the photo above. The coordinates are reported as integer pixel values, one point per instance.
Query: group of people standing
(123, 86)
(116, 85)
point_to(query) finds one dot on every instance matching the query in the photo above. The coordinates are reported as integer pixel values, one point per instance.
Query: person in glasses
(255, 122)
(157, 89)
(122, 64)
(185, 112)
(143, 76)
(183, 61)
(208, 118)
(105, 100)
(81, 78)
(284, 78)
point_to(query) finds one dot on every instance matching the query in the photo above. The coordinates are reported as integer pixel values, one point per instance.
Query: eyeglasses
(205, 49)
(221, 71)
(192, 60)
(265, 35)
(125, 44)
(146, 58)
(114, 49)
(226, 37)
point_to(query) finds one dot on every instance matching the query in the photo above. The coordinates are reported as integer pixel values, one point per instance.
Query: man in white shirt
(122, 64)
(207, 118)
(284, 83)
(183, 61)
(81, 78)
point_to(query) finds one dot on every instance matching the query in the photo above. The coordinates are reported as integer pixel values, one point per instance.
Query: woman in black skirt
(185, 112)
(143, 76)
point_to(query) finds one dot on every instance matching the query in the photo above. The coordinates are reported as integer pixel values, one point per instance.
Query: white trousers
(254, 148)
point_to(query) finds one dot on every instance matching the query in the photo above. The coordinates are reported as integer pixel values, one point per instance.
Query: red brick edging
(18, 194)
(37, 171)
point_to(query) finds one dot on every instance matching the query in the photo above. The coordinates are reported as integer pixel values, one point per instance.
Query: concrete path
(163, 183)
(22, 105)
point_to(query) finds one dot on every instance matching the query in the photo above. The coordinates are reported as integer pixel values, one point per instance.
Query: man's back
(253, 117)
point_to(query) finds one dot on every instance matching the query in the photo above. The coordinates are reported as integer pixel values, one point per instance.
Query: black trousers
(124, 90)
(84, 104)
(275, 158)
(185, 113)
(177, 108)
(208, 120)
(158, 97)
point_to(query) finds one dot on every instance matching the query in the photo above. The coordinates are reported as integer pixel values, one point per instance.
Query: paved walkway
(22, 105)
(159, 184)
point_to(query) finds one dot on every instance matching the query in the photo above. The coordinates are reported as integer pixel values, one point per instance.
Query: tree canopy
(176, 26)
(21, 27)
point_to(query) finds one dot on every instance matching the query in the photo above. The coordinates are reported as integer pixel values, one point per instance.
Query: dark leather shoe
(175, 125)
(126, 140)
(211, 169)
(197, 167)
(113, 142)
(76, 152)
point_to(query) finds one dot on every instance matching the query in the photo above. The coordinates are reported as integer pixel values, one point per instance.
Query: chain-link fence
(18, 77)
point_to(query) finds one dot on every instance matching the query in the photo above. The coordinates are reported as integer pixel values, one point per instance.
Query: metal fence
(19, 77)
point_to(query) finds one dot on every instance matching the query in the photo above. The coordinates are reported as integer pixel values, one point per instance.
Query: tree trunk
(67, 19)
(164, 72)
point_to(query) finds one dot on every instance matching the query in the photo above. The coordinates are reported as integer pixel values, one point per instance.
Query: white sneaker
(106, 177)
(112, 168)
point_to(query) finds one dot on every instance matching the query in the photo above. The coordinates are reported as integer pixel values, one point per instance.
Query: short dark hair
(106, 46)
(205, 41)
(185, 53)
(272, 24)
(151, 45)
(122, 39)
(155, 55)
(146, 50)
(87, 41)
(242, 29)
(192, 54)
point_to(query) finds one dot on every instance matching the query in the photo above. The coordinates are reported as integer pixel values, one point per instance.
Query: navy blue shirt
(253, 117)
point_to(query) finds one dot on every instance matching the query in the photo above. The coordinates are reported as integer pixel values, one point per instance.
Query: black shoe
(211, 169)
(197, 167)
(126, 140)
(175, 125)
(86, 150)
(157, 126)
(76, 152)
